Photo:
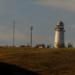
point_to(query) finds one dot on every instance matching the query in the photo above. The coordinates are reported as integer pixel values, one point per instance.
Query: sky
(41, 14)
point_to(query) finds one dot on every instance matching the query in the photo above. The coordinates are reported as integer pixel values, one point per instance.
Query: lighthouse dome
(60, 23)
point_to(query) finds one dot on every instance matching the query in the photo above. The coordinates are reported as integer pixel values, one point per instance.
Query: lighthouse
(59, 35)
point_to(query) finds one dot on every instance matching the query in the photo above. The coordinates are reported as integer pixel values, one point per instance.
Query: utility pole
(49, 40)
(31, 28)
(13, 33)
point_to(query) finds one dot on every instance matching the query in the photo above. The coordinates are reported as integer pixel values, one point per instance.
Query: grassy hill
(43, 61)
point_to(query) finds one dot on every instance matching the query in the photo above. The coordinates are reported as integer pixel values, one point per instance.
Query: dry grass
(42, 61)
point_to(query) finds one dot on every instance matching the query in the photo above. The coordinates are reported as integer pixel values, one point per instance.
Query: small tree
(70, 45)
(48, 46)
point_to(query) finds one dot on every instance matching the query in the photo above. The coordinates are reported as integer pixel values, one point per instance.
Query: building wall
(59, 39)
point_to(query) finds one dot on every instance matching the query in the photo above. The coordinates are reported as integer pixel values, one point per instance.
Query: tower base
(57, 45)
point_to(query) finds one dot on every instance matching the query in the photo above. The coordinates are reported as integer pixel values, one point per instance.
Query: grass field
(43, 61)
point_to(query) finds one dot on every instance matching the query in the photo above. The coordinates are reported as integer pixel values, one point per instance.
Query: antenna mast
(13, 33)
(31, 28)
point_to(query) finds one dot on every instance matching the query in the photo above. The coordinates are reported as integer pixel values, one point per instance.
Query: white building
(59, 35)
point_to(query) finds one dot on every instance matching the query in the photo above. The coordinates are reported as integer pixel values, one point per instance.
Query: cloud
(6, 33)
(7, 7)
(60, 4)
(34, 12)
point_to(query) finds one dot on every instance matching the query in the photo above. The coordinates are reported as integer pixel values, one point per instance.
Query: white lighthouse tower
(59, 35)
